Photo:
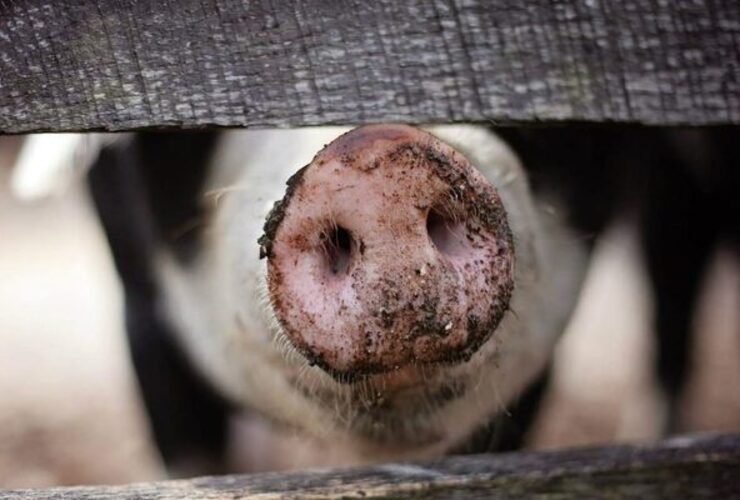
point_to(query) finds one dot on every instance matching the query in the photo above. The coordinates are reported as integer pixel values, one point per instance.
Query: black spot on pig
(145, 191)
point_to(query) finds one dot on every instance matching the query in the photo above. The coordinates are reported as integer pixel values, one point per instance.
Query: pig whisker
(285, 348)
(302, 370)
(279, 338)
(425, 376)
(263, 295)
(477, 400)
(343, 416)
(185, 228)
(499, 402)
(508, 177)
(214, 195)
(514, 313)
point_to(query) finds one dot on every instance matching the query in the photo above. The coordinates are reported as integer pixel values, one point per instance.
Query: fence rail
(111, 65)
(686, 467)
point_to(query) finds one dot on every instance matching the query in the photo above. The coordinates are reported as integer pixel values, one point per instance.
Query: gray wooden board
(686, 467)
(125, 64)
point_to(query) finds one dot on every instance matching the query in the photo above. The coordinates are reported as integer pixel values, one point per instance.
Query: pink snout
(390, 249)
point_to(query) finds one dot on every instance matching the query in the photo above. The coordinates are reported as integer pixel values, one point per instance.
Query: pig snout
(388, 250)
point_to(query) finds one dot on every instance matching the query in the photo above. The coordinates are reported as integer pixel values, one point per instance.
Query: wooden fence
(687, 467)
(116, 65)
(68, 65)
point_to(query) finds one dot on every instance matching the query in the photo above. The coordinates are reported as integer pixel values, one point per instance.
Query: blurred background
(69, 408)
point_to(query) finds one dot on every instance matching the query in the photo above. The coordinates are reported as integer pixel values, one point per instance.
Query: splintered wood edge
(109, 65)
(705, 466)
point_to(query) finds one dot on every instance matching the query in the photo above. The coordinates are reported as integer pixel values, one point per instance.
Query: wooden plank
(686, 467)
(115, 65)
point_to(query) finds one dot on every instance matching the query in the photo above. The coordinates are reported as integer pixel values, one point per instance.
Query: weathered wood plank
(115, 65)
(688, 467)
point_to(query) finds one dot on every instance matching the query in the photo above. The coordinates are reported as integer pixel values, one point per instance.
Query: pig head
(404, 289)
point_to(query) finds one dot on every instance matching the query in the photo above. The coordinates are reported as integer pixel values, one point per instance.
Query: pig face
(393, 294)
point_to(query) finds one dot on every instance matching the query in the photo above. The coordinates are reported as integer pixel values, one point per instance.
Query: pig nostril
(338, 249)
(446, 232)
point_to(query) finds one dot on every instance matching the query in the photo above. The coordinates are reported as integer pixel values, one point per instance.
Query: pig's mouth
(398, 408)
(389, 253)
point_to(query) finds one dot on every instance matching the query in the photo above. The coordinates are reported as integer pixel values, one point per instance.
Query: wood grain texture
(687, 467)
(126, 64)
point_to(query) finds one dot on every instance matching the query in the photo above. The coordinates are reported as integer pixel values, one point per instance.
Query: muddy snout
(390, 249)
